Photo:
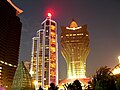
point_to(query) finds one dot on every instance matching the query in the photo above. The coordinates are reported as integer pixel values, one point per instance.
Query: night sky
(101, 16)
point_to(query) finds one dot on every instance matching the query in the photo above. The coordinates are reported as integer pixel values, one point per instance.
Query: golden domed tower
(75, 49)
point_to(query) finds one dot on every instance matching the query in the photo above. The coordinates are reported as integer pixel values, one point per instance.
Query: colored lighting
(35, 82)
(119, 58)
(116, 71)
(49, 14)
(52, 27)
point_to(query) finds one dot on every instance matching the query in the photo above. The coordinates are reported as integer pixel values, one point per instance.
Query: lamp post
(119, 58)
(36, 85)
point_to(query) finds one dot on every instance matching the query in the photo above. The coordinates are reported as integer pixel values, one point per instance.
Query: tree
(53, 87)
(89, 86)
(103, 80)
(76, 85)
(118, 83)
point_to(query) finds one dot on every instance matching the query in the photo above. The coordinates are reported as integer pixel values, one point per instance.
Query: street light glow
(119, 58)
(35, 82)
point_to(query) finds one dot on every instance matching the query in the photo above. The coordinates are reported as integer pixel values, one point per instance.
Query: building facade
(75, 49)
(27, 65)
(10, 31)
(22, 78)
(44, 61)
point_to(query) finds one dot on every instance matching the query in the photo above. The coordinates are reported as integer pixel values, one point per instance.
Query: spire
(73, 19)
(73, 24)
(18, 11)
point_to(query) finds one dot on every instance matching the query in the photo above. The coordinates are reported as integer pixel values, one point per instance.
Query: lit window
(67, 34)
(47, 47)
(67, 41)
(70, 34)
(52, 33)
(72, 50)
(72, 40)
(14, 66)
(53, 49)
(1, 61)
(52, 27)
(81, 33)
(53, 40)
(86, 34)
(74, 34)
(10, 64)
(61, 36)
(6, 63)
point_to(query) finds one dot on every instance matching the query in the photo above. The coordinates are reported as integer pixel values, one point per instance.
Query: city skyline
(103, 22)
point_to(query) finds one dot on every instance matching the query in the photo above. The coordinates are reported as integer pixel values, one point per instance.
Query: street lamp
(36, 85)
(119, 58)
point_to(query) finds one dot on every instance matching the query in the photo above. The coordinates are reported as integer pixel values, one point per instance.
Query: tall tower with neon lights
(75, 49)
(44, 61)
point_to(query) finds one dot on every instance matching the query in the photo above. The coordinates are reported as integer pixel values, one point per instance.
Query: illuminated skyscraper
(75, 49)
(44, 62)
(10, 31)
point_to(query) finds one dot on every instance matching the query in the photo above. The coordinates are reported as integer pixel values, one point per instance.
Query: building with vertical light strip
(10, 32)
(75, 49)
(44, 61)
